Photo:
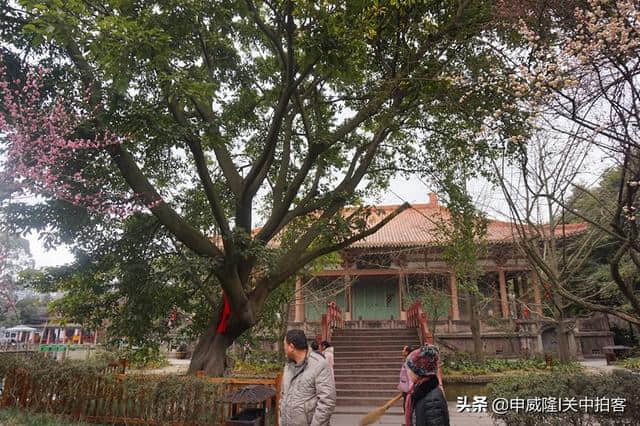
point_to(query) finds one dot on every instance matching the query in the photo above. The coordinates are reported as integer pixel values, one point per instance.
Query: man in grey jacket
(308, 395)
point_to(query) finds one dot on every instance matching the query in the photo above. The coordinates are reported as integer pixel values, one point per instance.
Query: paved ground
(350, 416)
(598, 365)
(178, 366)
(394, 417)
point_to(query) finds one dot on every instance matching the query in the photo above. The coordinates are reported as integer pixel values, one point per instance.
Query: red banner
(226, 311)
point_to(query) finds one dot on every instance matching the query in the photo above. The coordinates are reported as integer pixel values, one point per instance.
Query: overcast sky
(413, 191)
(487, 198)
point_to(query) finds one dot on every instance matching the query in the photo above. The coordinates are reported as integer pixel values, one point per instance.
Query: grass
(14, 417)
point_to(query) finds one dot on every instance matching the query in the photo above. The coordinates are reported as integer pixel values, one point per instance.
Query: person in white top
(327, 351)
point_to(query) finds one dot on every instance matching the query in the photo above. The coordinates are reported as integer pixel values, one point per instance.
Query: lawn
(14, 417)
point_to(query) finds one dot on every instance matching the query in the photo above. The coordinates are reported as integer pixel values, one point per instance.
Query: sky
(411, 190)
(486, 197)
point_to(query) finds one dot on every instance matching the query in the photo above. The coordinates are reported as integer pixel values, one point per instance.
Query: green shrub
(81, 388)
(619, 384)
(139, 358)
(631, 363)
(463, 363)
(245, 367)
(259, 362)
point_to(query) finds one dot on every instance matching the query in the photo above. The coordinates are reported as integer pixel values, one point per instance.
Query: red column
(455, 309)
(504, 300)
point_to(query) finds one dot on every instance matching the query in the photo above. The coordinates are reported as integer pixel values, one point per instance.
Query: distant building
(377, 273)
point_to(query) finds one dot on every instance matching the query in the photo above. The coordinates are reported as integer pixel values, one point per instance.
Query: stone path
(178, 366)
(394, 416)
(598, 365)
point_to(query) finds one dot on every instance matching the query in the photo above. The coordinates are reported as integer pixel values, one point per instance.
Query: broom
(375, 415)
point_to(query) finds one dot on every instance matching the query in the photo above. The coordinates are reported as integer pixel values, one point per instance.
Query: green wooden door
(315, 304)
(375, 298)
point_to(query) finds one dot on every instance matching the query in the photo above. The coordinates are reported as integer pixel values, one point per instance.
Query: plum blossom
(44, 154)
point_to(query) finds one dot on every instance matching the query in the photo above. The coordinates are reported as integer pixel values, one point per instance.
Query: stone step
(413, 336)
(395, 410)
(371, 393)
(368, 364)
(356, 385)
(342, 360)
(366, 401)
(386, 341)
(345, 354)
(379, 345)
(391, 377)
(394, 338)
(373, 371)
(374, 332)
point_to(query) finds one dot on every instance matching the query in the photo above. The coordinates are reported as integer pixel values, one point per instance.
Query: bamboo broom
(375, 415)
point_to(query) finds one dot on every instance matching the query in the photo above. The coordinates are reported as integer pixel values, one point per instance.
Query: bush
(618, 384)
(77, 389)
(464, 364)
(139, 358)
(259, 362)
(632, 364)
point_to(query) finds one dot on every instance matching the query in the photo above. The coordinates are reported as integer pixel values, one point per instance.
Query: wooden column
(299, 301)
(400, 284)
(504, 300)
(537, 300)
(497, 309)
(347, 296)
(453, 288)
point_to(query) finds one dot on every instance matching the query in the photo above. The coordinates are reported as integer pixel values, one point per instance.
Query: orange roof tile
(421, 226)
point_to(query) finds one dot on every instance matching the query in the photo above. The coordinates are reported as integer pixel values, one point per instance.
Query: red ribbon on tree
(226, 312)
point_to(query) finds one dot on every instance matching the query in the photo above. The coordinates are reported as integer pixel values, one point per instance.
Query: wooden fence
(114, 398)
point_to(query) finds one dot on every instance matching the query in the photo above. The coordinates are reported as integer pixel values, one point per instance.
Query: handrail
(416, 318)
(332, 319)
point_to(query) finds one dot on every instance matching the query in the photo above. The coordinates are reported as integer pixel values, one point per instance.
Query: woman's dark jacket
(429, 408)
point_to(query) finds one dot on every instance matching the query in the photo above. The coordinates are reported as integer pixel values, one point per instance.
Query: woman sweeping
(425, 404)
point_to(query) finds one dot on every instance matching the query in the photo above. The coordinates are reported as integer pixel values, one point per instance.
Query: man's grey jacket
(308, 394)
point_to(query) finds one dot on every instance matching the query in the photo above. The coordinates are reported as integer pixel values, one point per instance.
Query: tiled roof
(421, 225)
(425, 224)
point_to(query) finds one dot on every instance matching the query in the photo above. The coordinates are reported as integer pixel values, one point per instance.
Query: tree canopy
(178, 127)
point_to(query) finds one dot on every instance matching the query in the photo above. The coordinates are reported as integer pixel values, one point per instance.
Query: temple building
(383, 274)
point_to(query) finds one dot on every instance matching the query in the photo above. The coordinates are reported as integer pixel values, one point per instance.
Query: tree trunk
(211, 351)
(474, 320)
(564, 354)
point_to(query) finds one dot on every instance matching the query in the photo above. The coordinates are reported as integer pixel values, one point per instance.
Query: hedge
(82, 390)
(607, 386)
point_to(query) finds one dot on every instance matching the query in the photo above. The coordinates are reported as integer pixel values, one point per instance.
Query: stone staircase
(367, 364)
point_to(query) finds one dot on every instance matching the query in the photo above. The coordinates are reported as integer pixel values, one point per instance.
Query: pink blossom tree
(581, 79)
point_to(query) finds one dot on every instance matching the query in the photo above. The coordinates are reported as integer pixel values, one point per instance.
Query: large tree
(206, 112)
